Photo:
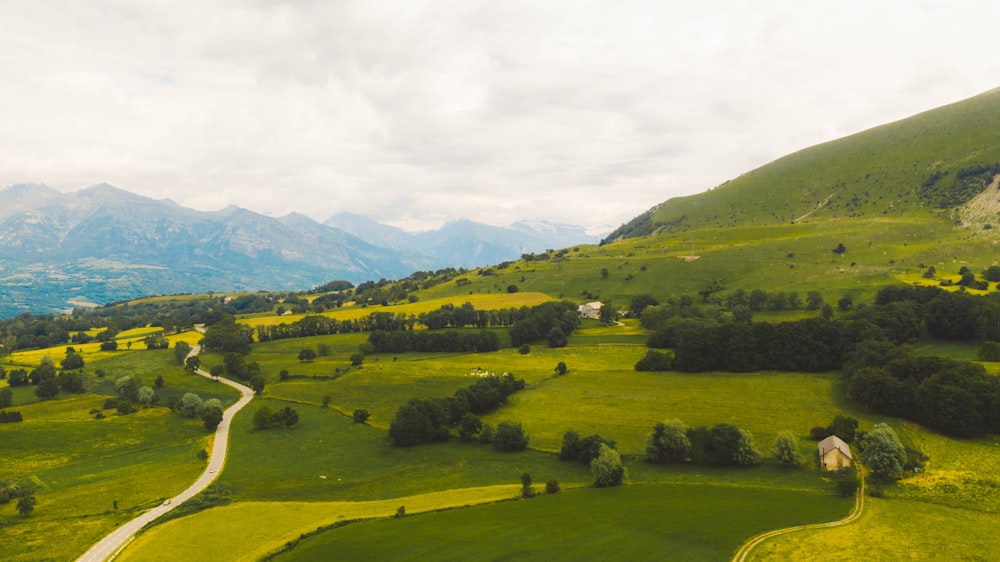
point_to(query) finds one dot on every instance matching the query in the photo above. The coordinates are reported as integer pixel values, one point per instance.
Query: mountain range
(103, 244)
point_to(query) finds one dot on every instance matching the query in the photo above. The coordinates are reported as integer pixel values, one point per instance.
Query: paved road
(859, 506)
(114, 542)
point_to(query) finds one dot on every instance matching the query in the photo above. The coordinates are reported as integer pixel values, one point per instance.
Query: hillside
(929, 164)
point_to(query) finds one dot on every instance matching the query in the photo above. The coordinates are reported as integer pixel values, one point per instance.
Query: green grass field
(891, 530)
(338, 460)
(81, 465)
(630, 523)
(220, 533)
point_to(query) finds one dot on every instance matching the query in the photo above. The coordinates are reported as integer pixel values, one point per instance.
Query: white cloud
(418, 112)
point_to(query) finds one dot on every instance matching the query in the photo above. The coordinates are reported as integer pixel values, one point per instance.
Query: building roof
(833, 442)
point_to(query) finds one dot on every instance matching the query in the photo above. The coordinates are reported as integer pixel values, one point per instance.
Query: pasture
(891, 530)
(696, 522)
(82, 465)
(480, 301)
(220, 533)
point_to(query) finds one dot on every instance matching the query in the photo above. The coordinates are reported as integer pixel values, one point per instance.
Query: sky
(419, 112)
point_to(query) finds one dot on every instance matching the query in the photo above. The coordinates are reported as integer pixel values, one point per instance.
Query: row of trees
(956, 397)
(599, 453)
(425, 341)
(429, 420)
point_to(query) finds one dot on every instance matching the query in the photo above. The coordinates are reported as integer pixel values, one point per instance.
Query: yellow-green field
(221, 533)
(480, 301)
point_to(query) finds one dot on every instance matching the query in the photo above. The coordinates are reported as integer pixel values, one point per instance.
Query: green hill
(928, 164)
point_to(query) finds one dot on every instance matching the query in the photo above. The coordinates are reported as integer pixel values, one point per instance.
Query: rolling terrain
(334, 483)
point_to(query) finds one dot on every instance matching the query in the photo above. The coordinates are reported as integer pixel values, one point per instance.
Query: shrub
(510, 437)
(360, 415)
(607, 468)
(552, 486)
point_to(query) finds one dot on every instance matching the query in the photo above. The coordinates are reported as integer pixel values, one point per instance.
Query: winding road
(113, 543)
(752, 542)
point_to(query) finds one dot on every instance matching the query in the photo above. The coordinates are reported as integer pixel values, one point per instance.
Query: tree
(191, 405)
(263, 417)
(307, 355)
(257, 384)
(524, 349)
(158, 383)
(604, 273)
(608, 313)
(510, 437)
(323, 349)
(846, 481)
(526, 490)
(655, 361)
(156, 341)
(552, 486)
(192, 363)
(286, 417)
(211, 417)
(72, 361)
(48, 387)
(992, 273)
(146, 395)
(607, 468)
(844, 427)
(469, 426)
(668, 442)
(845, 302)
(127, 388)
(557, 338)
(814, 300)
(840, 249)
(357, 359)
(6, 397)
(26, 503)
(561, 368)
(360, 415)
(640, 303)
(110, 345)
(181, 350)
(786, 450)
(883, 452)
(217, 371)
(326, 400)
(723, 444)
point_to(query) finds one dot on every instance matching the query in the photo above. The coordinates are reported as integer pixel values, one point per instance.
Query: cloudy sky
(417, 112)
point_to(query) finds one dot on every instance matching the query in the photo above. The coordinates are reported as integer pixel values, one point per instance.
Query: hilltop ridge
(930, 163)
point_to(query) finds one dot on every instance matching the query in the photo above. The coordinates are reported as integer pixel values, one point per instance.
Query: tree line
(426, 341)
(429, 420)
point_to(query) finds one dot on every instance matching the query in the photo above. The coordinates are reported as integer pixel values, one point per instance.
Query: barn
(834, 454)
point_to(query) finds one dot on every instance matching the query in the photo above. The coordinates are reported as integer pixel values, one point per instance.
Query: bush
(524, 349)
(510, 437)
(846, 480)
(607, 468)
(655, 361)
(552, 486)
(360, 416)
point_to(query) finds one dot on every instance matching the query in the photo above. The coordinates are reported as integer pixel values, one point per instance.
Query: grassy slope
(81, 464)
(632, 523)
(891, 530)
(219, 533)
(873, 173)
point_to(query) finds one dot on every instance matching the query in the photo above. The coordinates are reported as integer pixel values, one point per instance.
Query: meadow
(695, 522)
(83, 466)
